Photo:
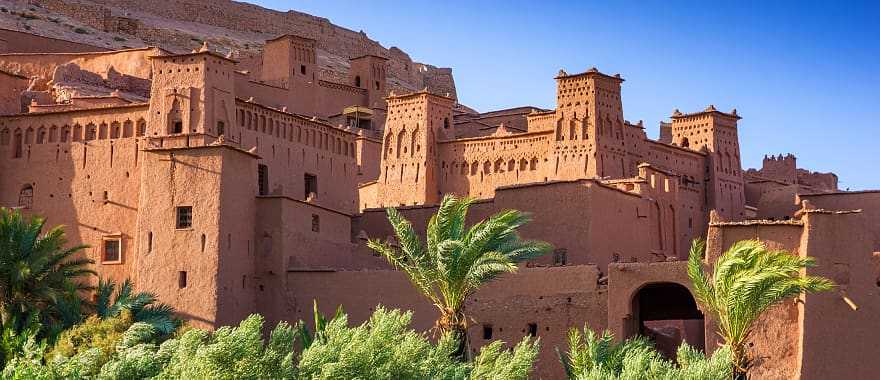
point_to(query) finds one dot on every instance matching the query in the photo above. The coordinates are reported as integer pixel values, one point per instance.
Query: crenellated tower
(415, 122)
(715, 133)
(291, 62)
(368, 72)
(589, 135)
(780, 168)
(192, 93)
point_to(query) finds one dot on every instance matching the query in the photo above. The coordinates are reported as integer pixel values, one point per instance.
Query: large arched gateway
(667, 313)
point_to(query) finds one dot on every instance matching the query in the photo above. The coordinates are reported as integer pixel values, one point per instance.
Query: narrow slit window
(263, 179)
(181, 279)
(316, 223)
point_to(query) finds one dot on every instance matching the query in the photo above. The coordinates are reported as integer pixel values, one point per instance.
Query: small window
(302, 69)
(181, 279)
(487, 332)
(26, 197)
(357, 81)
(560, 256)
(377, 85)
(178, 127)
(445, 123)
(184, 217)
(263, 179)
(221, 128)
(150, 241)
(112, 251)
(533, 329)
(316, 223)
(311, 185)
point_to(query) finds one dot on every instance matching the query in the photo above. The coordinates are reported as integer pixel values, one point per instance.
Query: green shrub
(384, 347)
(597, 357)
(94, 333)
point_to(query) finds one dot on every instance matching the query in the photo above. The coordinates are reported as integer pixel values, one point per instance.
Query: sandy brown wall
(18, 42)
(839, 342)
(508, 305)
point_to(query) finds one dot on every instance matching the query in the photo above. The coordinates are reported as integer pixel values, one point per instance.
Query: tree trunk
(461, 353)
(740, 362)
(454, 322)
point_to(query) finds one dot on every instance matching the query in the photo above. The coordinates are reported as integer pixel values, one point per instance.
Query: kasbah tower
(233, 185)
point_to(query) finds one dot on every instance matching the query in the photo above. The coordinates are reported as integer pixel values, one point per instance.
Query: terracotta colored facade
(229, 191)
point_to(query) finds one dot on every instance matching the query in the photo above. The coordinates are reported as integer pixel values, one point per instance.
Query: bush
(598, 357)
(94, 333)
(384, 347)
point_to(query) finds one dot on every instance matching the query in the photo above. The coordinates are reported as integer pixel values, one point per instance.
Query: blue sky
(804, 75)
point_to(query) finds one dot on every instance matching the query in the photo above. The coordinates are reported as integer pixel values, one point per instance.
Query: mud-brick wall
(507, 305)
(840, 342)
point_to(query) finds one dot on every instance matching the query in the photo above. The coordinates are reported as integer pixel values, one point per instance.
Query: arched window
(175, 120)
(559, 134)
(127, 129)
(534, 164)
(18, 140)
(474, 167)
(685, 143)
(91, 132)
(102, 131)
(523, 164)
(357, 81)
(115, 130)
(4, 136)
(77, 133)
(413, 145)
(498, 168)
(388, 149)
(401, 137)
(141, 127)
(26, 197)
(445, 123)
(65, 133)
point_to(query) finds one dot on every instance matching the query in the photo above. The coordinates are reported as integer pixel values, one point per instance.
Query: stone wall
(12, 41)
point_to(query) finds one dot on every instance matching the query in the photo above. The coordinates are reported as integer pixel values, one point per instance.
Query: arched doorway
(667, 313)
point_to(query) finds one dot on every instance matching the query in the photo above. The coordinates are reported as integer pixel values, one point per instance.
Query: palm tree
(456, 260)
(38, 276)
(746, 281)
(142, 305)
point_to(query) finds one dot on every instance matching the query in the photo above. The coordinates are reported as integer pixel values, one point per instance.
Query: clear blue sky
(804, 75)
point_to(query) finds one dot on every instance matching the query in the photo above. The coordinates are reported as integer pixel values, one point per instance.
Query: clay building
(228, 190)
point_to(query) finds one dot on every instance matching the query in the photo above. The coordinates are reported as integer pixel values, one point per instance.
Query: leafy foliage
(98, 337)
(747, 280)
(384, 347)
(38, 276)
(456, 260)
(143, 306)
(593, 356)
